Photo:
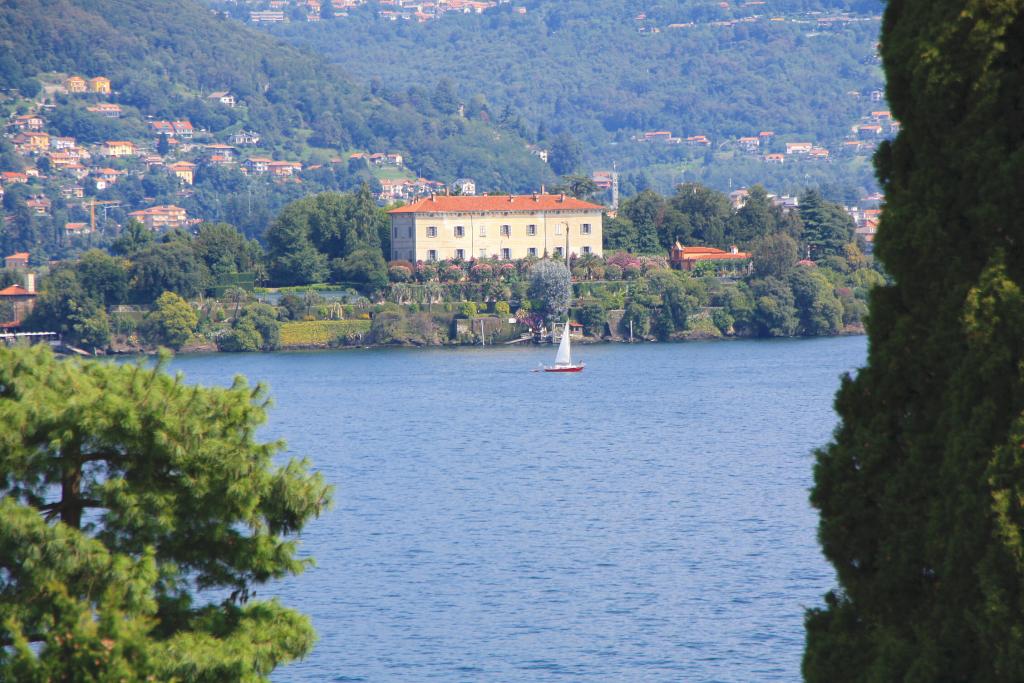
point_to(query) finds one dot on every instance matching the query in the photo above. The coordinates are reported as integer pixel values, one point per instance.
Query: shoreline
(211, 348)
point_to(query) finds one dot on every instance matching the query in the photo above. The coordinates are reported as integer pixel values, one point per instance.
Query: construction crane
(92, 204)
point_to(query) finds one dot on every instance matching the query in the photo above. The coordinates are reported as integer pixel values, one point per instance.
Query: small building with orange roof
(687, 258)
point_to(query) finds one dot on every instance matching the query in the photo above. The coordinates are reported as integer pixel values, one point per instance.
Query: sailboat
(563, 359)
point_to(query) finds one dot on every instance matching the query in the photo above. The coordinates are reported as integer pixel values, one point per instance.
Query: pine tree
(124, 496)
(921, 492)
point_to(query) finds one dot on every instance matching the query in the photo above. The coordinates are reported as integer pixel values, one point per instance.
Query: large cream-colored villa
(439, 227)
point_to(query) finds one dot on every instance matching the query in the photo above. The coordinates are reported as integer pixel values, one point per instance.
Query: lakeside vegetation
(807, 275)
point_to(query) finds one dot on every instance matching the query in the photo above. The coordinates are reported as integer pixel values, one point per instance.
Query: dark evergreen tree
(565, 155)
(921, 492)
(827, 228)
(645, 211)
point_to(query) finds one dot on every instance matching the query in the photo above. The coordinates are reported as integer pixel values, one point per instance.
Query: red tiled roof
(705, 254)
(721, 256)
(15, 290)
(466, 204)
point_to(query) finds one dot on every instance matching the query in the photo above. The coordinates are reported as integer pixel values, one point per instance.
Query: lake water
(645, 520)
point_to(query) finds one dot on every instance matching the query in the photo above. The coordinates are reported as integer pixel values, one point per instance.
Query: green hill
(164, 58)
(605, 71)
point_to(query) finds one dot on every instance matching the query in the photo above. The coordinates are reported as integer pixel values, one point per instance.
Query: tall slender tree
(921, 492)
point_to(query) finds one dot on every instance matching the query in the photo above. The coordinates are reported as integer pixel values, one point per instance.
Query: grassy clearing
(320, 332)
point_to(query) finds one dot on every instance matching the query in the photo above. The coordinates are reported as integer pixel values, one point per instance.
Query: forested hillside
(585, 78)
(164, 58)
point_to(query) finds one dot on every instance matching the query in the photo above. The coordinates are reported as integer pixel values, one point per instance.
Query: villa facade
(495, 226)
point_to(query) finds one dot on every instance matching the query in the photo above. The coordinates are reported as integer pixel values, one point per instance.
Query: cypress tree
(921, 493)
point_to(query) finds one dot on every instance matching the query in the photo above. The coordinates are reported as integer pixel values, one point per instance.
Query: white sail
(563, 357)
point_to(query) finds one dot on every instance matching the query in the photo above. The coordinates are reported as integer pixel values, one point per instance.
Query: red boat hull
(575, 368)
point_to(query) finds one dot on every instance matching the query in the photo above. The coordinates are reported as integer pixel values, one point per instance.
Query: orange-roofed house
(12, 177)
(77, 229)
(20, 301)
(17, 261)
(76, 84)
(27, 122)
(182, 129)
(31, 141)
(868, 130)
(439, 227)
(283, 169)
(688, 258)
(99, 84)
(184, 170)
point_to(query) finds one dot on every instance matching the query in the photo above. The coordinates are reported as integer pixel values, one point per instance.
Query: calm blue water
(646, 520)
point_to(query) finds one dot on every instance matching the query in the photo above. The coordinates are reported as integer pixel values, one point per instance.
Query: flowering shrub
(613, 271)
(452, 273)
(425, 272)
(632, 271)
(399, 274)
(652, 263)
(623, 259)
(481, 271)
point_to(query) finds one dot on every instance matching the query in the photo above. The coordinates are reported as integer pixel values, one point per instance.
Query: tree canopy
(127, 500)
(312, 231)
(921, 492)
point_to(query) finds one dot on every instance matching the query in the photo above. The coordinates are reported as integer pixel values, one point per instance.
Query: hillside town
(82, 178)
(311, 11)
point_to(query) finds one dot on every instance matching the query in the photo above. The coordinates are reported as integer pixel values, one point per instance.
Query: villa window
(506, 253)
(586, 250)
(460, 254)
(558, 251)
(506, 230)
(483, 253)
(394, 232)
(409, 231)
(460, 231)
(432, 255)
(432, 231)
(483, 231)
(531, 230)
(558, 229)
(585, 229)
(532, 251)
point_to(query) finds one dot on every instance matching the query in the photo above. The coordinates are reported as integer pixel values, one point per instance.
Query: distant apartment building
(504, 226)
(118, 148)
(159, 218)
(76, 84)
(106, 109)
(267, 16)
(222, 97)
(99, 84)
(256, 165)
(183, 170)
